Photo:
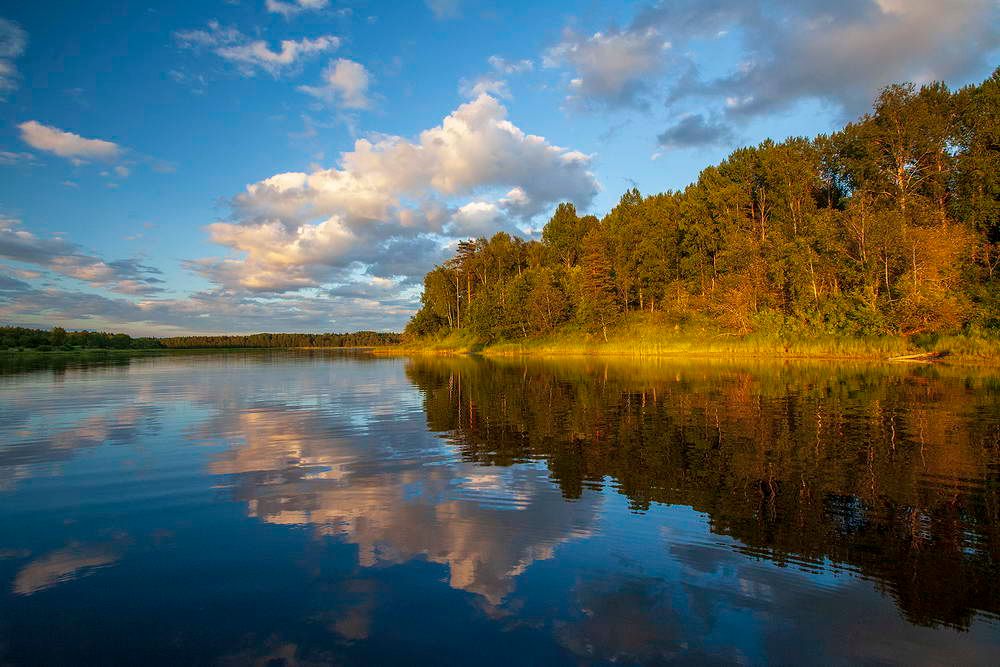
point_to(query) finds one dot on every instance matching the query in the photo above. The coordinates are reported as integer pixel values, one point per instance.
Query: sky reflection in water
(315, 507)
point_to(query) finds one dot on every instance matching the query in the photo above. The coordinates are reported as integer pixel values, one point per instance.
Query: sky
(235, 166)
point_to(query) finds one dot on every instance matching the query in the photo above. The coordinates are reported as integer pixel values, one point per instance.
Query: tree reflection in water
(893, 472)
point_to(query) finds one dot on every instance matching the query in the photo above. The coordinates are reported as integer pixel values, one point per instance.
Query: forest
(888, 227)
(20, 338)
(286, 340)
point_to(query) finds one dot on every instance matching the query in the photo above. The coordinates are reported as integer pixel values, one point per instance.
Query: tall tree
(599, 303)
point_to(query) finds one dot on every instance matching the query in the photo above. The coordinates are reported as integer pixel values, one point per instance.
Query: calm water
(315, 508)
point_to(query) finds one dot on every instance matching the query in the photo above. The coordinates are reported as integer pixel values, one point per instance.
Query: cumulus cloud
(13, 41)
(694, 130)
(289, 9)
(841, 54)
(67, 144)
(391, 196)
(478, 218)
(610, 69)
(253, 55)
(345, 84)
(333, 249)
(126, 276)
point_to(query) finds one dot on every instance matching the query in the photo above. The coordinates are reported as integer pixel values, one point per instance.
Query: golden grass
(639, 337)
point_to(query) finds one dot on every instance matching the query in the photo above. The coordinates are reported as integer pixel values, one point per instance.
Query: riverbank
(642, 339)
(164, 350)
(639, 340)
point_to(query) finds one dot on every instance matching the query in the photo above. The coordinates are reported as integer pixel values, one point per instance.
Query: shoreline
(838, 350)
(164, 350)
(894, 351)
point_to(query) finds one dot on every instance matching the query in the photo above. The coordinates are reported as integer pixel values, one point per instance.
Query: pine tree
(599, 305)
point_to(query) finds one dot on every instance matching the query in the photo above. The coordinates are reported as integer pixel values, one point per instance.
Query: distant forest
(14, 338)
(890, 226)
(279, 340)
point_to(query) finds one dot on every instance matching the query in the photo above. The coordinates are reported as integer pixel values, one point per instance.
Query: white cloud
(258, 54)
(510, 66)
(484, 85)
(289, 9)
(477, 218)
(251, 55)
(612, 69)
(390, 198)
(67, 144)
(345, 84)
(492, 83)
(127, 276)
(215, 36)
(13, 41)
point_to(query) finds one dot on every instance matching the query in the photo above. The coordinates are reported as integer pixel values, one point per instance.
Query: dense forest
(890, 226)
(16, 338)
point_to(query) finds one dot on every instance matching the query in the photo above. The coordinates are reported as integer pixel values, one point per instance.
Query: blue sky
(297, 165)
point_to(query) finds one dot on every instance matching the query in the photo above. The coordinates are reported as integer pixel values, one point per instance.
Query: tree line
(15, 338)
(890, 226)
(286, 340)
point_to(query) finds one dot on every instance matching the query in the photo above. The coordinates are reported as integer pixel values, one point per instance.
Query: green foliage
(424, 323)
(19, 338)
(563, 235)
(598, 304)
(890, 227)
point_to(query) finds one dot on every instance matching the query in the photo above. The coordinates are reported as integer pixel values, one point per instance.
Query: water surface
(300, 508)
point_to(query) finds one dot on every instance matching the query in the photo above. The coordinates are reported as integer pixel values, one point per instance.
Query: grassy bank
(455, 342)
(638, 337)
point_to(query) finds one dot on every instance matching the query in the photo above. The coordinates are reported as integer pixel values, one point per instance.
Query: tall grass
(638, 336)
(455, 342)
